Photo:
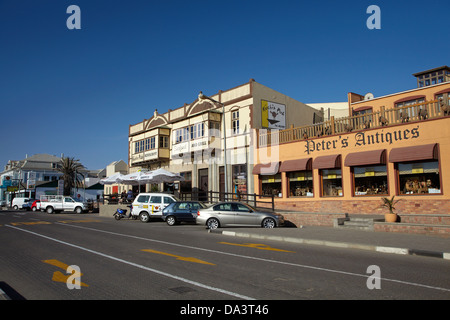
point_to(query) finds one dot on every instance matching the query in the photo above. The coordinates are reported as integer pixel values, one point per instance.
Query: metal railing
(382, 118)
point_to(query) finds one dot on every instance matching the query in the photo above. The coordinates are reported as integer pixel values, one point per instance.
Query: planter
(390, 217)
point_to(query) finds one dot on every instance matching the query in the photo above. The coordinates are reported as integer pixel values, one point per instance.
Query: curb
(336, 244)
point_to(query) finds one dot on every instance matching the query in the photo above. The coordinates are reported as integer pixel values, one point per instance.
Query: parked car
(18, 202)
(182, 211)
(226, 214)
(27, 205)
(36, 206)
(150, 205)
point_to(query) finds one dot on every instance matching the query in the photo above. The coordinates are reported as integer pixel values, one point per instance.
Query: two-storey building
(190, 139)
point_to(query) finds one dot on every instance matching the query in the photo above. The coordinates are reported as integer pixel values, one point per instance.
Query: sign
(273, 115)
(360, 139)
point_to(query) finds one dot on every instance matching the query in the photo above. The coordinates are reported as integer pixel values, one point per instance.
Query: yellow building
(398, 144)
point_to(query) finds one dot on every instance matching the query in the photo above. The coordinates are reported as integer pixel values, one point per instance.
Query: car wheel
(16, 208)
(49, 210)
(268, 223)
(144, 216)
(213, 223)
(34, 209)
(78, 210)
(171, 221)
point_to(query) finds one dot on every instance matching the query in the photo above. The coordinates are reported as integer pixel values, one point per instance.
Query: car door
(68, 204)
(244, 215)
(183, 211)
(224, 212)
(156, 203)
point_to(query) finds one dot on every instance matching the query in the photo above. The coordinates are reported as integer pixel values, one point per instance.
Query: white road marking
(162, 273)
(265, 260)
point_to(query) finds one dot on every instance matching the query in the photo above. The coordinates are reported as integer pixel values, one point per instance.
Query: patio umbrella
(112, 179)
(162, 175)
(135, 178)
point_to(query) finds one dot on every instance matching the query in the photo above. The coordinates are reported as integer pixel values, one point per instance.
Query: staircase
(358, 222)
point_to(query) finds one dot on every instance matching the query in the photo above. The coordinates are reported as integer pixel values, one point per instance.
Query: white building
(190, 139)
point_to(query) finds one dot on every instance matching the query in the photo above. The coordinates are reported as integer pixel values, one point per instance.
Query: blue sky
(77, 91)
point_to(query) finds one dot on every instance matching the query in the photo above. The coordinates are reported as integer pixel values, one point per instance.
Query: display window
(331, 182)
(419, 178)
(370, 180)
(300, 184)
(271, 185)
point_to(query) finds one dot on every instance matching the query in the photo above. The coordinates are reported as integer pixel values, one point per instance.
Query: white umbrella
(112, 179)
(135, 178)
(162, 175)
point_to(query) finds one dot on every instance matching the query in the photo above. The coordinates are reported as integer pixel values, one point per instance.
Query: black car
(181, 211)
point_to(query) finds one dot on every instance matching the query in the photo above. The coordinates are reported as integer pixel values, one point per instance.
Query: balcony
(382, 118)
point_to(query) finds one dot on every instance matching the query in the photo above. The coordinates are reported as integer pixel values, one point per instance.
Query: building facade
(394, 145)
(190, 139)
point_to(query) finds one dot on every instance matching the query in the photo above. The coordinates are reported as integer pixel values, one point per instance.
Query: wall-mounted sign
(273, 115)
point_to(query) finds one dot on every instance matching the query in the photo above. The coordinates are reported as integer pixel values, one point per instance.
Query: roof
(431, 70)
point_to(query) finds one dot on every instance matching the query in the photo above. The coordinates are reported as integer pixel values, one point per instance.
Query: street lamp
(201, 97)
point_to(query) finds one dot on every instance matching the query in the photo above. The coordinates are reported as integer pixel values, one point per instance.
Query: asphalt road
(131, 260)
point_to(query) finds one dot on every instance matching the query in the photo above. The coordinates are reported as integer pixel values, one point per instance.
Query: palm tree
(70, 169)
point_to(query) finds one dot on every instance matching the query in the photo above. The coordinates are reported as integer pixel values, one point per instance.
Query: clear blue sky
(77, 91)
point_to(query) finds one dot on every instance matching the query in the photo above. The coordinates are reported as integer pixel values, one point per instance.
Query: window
(370, 180)
(271, 185)
(235, 122)
(152, 143)
(300, 183)
(147, 144)
(240, 178)
(331, 182)
(408, 110)
(164, 141)
(156, 199)
(419, 178)
(143, 199)
(223, 207)
(168, 200)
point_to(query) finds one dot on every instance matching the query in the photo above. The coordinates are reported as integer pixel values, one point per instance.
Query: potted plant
(390, 204)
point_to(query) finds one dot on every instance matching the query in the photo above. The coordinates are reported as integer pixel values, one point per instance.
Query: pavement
(387, 242)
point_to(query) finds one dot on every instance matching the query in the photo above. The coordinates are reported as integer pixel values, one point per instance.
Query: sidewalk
(388, 242)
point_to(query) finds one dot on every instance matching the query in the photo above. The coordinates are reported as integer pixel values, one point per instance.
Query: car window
(156, 199)
(242, 208)
(168, 200)
(223, 207)
(183, 206)
(143, 199)
(196, 206)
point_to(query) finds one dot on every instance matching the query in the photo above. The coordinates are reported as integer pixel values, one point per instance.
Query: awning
(266, 169)
(296, 165)
(327, 162)
(409, 99)
(416, 153)
(366, 158)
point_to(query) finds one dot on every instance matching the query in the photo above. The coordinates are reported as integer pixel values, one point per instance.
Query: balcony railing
(382, 118)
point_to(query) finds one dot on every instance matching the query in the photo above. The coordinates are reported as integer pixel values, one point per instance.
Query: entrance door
(203, 184)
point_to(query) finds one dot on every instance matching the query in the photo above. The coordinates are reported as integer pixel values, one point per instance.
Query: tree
(71, 173)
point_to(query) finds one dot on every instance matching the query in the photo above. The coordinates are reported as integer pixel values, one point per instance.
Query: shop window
(240, 178)
(271, 185)
(300, 184)
(371, 180)
(331, 182)
(419, 178)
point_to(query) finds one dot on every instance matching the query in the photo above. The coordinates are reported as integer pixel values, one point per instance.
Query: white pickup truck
(52, 204)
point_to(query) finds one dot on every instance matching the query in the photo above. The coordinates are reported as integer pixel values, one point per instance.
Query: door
(244, 215)
(68, 204)
(225, 213)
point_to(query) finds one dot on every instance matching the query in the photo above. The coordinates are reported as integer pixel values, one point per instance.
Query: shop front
(350, 172)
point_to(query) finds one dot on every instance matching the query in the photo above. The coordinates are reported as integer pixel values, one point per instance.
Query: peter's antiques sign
(361, 139)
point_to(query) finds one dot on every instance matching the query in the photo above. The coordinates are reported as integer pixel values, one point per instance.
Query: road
(131, 260)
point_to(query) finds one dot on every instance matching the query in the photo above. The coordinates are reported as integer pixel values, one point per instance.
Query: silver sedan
(237, 214)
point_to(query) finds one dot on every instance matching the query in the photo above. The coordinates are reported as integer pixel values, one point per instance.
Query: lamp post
(201, 97)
